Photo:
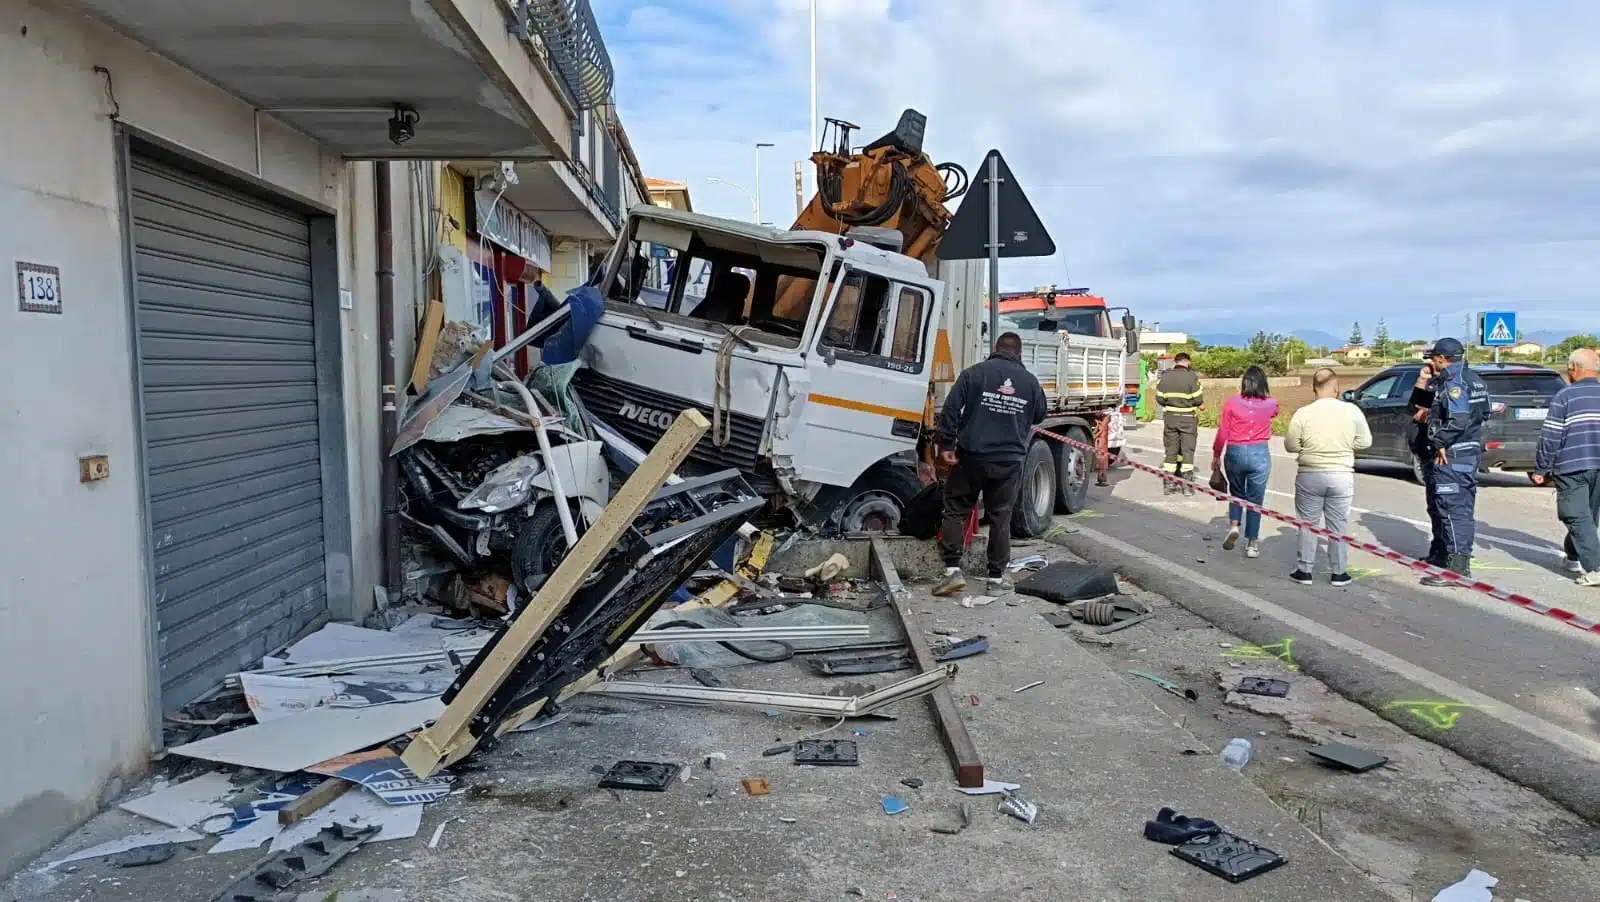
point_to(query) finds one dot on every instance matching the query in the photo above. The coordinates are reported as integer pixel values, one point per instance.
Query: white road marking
(1426, 527)
(1444, 686)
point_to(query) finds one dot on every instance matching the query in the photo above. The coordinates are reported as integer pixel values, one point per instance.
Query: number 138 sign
(38, 288)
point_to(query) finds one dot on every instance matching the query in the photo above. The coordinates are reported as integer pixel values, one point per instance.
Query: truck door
(869, 376)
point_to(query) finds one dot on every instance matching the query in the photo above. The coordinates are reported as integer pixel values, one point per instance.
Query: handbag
(1219, 479)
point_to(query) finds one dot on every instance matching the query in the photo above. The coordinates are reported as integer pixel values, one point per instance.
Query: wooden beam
(448, 739)
(427, 344)
(952, 729)
(308, 804)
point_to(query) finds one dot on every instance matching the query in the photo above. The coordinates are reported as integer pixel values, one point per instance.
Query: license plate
(1531, 413)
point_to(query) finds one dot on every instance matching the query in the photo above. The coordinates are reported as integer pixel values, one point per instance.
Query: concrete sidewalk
(1095, 755)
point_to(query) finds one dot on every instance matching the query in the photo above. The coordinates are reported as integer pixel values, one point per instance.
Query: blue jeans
(1247, 468)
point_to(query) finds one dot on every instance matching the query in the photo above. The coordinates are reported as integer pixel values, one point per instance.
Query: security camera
(403, 124)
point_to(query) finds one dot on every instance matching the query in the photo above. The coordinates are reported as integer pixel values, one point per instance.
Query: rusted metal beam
(952, 729)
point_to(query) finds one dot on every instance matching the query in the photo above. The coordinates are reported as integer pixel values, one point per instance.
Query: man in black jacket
(984, 432)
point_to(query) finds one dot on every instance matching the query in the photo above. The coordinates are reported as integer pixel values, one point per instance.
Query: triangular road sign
(1021, 232)
(1501, 332)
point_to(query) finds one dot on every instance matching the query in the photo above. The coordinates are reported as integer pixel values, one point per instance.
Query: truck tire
(1074, 470)
(1036, 494)
(878, 500)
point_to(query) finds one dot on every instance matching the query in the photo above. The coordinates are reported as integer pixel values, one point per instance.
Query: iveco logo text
(646, 415)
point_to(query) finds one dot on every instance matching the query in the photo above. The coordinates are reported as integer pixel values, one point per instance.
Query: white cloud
(1272, 163)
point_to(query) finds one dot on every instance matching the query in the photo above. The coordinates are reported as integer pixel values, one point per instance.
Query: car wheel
(1036, 493)
(539, 548)
(1416, 470)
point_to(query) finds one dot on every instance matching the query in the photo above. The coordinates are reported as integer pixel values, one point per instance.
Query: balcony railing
(566, 37)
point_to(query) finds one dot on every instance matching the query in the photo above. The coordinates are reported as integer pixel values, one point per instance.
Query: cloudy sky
(1217, 166)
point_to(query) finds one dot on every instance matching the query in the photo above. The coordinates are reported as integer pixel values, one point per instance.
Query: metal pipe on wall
(389, 485)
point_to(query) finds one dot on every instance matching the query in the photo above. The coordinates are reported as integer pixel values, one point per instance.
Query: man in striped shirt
(1569, 454)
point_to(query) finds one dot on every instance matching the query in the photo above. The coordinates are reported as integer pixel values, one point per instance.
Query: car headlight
(508, 486)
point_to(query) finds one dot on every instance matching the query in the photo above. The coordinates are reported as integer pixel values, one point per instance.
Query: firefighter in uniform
(1454, 451)
(1181, 397)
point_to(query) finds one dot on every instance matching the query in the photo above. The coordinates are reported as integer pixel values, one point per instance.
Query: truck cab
(809, 351)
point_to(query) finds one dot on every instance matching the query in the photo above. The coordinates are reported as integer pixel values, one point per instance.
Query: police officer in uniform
(1453, 451)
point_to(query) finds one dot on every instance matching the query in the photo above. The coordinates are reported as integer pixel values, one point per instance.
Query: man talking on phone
(1452, 453)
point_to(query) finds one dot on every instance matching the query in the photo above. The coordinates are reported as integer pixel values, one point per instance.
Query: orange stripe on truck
(864, 407)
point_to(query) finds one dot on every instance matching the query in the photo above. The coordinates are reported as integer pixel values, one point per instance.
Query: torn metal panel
(458, 421)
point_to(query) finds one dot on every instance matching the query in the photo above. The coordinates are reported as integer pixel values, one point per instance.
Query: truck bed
(1078, 373)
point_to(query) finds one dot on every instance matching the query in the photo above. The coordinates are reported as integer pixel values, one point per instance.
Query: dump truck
(821, 352)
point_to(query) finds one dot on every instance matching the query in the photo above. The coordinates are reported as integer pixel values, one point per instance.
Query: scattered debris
(1349, 757)
(989, 788)
(438, 833)
(892, 805)
(827, 752)
(978, 601)
(966, 821)
(296, 742)
(1472, 888)
(126, 843)
(913, 782)
(1175, 829)
(381, 771)
(1064, 582)
(313, 801)
(1031, 562)
(1031, 685)
(648, 776)
(1264, 686)
(306, 861)
(1018, 807)
(185, 804)
(777, 750)
(1167, 685)
(1230, 857)
(142, 856)
(830, 569)
(756, 786)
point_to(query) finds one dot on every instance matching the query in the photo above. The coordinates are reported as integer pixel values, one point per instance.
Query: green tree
(1355, 335)
(1222, 363)
(1270, 351)
(1296, 350)
(1380, 339)
(1563, 349)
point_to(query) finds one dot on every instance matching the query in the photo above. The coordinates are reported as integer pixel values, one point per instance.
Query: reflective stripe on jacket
(1179, 390)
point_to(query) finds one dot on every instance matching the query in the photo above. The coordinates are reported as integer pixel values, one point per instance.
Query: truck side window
(859, 315)
(910, 313)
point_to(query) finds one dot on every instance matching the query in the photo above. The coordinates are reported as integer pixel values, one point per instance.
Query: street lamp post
(759, 145)
(755, 206)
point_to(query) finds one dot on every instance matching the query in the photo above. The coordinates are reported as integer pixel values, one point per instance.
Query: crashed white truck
(824, 405)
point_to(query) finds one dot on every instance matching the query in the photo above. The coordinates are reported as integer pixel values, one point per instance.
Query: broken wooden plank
(448, 740)
(427, 343)
(313, 801)
(952, 729)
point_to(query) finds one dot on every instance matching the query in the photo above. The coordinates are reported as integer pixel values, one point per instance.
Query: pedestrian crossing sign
(1498, 330)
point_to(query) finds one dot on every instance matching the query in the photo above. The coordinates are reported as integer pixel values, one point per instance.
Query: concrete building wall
(74, 613)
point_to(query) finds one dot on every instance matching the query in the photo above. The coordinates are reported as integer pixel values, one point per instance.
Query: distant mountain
(1313, 337)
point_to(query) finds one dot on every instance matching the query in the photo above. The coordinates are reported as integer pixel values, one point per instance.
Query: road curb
(1560, 775)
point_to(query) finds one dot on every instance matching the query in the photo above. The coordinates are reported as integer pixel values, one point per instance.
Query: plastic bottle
(1237, 754)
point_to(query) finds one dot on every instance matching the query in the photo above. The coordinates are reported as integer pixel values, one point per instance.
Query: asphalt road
(1521, 691)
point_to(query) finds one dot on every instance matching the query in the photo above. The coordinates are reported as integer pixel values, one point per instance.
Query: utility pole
(759, 145)
(813, 148)
(1436, 325)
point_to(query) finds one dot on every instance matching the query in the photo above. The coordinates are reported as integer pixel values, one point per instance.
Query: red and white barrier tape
(1521, 601)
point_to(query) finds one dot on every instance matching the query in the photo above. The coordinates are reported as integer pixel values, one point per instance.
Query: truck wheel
(1073, 472)
(1036, 495)
(878, 499)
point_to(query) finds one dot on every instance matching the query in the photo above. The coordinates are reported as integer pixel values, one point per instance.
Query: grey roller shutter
(232, 455)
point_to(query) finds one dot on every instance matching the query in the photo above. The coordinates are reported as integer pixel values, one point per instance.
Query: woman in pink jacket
(1243, 451)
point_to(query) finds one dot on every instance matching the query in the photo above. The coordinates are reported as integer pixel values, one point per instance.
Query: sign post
(974, 233)
(1497, 330)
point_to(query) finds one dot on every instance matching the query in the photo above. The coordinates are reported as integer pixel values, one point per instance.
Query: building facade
(194, 219)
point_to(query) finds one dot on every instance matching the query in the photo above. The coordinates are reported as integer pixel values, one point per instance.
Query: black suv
(1519, 397)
